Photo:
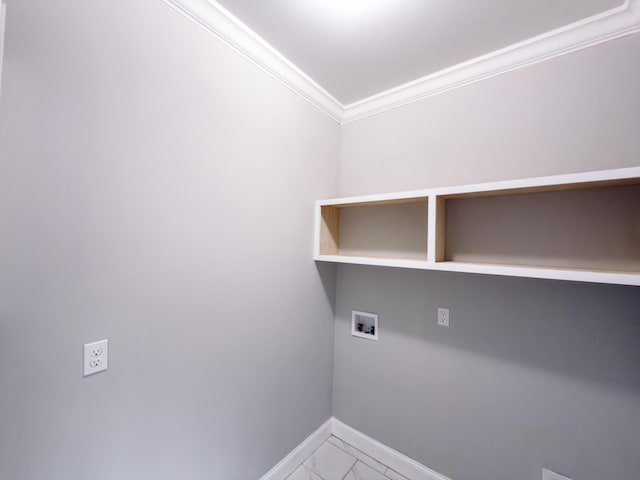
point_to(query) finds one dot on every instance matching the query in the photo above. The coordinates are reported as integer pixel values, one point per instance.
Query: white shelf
(592, 223)
(578, 275)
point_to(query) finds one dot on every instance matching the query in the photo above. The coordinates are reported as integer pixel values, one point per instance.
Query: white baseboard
(379, 451)
(384, 454)
(288, 464)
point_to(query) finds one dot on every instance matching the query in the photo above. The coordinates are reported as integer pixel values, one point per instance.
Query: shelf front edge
(618, 278)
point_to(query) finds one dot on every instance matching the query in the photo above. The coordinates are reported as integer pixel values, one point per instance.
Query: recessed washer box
(364, 324)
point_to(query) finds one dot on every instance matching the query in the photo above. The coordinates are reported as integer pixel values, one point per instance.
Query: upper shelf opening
(596, 228)
(379, 229)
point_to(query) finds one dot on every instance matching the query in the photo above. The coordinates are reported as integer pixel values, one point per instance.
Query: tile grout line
(341, 449)
(384, 473)
(363, 453)
(355, 448)
(311, 455)
(354, 464)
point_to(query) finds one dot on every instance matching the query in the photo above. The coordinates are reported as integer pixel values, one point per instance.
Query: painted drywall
(575, 113)
(156, 189)
(531, 373)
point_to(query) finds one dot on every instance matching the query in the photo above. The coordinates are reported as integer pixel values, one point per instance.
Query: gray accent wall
(156, 189)
(531, 373)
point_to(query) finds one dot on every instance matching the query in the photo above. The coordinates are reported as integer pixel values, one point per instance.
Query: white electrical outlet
(443, 317)
(549, 475)
(96, 357)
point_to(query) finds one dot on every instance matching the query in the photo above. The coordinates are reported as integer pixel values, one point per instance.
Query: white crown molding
(600, 28)
(220, 22)
(603, 27)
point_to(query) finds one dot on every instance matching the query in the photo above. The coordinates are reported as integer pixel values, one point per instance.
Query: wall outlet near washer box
(443, 317)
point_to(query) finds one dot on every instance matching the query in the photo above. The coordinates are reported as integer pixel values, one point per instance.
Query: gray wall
(156, 189)
(532, 373)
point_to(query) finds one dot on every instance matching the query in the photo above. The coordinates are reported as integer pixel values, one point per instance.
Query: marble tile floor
(337, 460)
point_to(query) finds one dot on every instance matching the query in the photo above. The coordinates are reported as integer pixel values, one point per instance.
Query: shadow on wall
(327, 273)
(580, 330)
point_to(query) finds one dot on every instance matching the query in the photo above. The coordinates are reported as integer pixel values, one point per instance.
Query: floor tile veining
(330, 462)
(363, 457)
(337, 460)
(361, 471)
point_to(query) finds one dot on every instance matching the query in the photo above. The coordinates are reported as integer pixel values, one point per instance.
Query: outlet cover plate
(549, 475)
(443, 317)
(96, 357)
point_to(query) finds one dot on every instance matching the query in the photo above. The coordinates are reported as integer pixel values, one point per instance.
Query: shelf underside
(571, 274)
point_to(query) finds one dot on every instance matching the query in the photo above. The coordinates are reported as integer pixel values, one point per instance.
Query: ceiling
(357, 48)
